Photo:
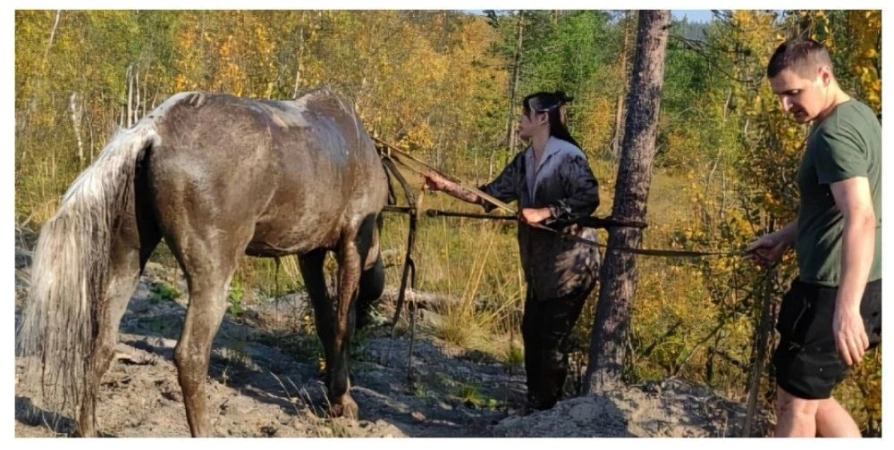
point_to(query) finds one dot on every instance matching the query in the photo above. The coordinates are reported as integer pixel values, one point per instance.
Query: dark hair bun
(563, 98)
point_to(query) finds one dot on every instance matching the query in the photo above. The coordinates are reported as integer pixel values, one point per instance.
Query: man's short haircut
(801, 56)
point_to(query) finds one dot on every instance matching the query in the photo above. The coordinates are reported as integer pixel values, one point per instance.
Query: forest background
(447, 85)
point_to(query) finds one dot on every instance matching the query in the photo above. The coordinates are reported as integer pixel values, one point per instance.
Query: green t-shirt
(846, 144)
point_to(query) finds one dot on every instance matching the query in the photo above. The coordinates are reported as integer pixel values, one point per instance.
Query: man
(832, 313)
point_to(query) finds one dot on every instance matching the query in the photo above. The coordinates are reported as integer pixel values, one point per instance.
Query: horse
(216, 176)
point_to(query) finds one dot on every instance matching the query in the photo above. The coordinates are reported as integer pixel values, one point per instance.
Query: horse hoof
(83, 432)
(346, 408)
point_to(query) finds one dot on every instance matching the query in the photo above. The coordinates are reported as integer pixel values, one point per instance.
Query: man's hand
(850, 335)
(767, 249)
(535, 215)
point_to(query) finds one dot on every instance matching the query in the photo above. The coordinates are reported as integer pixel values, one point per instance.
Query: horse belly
(288, 231)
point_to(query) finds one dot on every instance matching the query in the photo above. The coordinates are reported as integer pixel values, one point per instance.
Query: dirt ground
(265, 381)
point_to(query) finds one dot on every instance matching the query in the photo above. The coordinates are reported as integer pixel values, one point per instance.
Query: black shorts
(807, 363)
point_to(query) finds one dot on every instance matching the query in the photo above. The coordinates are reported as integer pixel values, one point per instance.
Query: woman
(553, 184)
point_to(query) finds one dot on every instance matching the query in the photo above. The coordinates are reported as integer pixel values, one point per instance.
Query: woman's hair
(551, 103)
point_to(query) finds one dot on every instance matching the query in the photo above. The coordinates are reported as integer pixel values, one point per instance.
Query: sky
(694, 15)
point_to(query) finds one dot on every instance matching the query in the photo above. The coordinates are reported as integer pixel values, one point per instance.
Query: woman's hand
(535, 215)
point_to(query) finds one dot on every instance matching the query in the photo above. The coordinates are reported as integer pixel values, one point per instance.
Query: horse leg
(131, 249)
(311, 265)
(209, 267)
(372, 282)
(353, 250)
(348, 279)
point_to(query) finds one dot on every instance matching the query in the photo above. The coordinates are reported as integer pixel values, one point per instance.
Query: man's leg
(808, 365)
(795, 417)
(834, 421)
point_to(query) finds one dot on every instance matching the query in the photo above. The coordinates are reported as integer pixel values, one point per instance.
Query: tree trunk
(75, 111)
(618, 275)
(137, 98)
(759, 351)
(299, 62)
(616, 139)
(144, 98)
(445, 31)
(52, 33)
(22, 122)
(619, 112)
(92, 146)
(129, 114)
(511, 130)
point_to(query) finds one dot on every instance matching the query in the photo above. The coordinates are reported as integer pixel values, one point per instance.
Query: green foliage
(235, 296)
(163, 291)
(516, 357)
(470, 393)
(437, 83)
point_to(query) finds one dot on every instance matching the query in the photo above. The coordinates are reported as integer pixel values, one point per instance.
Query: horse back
(303, 172)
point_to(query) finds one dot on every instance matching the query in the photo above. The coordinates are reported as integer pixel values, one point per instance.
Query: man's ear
(825, 75)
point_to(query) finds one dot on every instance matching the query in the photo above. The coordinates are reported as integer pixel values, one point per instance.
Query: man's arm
(854, 199)
(788, 233)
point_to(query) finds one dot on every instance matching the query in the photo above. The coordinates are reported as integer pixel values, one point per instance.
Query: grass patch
(162, 291)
